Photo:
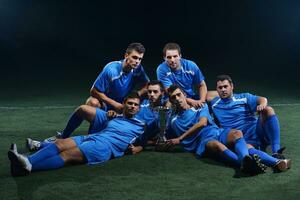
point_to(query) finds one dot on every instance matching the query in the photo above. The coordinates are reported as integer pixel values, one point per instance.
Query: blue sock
(241, 148)
(265, 158)
(44, 144)
(230, 157)
(272, 130)
(53, 162)
(49, 151)
(73, 123)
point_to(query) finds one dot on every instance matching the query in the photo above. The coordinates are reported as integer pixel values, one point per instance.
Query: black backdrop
(60, 39)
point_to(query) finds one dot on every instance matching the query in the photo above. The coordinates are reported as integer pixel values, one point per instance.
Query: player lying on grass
(98, 119)
(197, 133)
(239, 111)
(111, 142)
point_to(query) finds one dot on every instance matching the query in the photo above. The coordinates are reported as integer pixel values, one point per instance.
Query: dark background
(47, 41)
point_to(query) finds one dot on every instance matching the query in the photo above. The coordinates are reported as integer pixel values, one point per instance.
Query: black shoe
(279, 154)
(252, 165)
(282, 165)
(18, 164)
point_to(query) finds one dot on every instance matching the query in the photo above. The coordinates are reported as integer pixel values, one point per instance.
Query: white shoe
(33, 145)
(53, 138)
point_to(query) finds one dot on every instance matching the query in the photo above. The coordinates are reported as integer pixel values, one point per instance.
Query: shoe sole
(283, 166)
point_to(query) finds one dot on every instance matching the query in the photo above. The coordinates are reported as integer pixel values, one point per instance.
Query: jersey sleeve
(141, 75)
(198, 77)
(102, 81)
(162, 76)
(251, 101)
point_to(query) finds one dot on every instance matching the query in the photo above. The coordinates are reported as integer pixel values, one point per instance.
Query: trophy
(161, 143)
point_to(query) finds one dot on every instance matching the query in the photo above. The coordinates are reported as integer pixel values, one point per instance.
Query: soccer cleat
(252, 165)
(282, 165)
(13, 147)
(279, 154)
(59, 135)
(19, 164)
(33, 145)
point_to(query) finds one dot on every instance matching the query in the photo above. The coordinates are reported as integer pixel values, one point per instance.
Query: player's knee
(269, 111)
(93, 102)
(237, 134)
(81, 110)
(60, 144)
(215, 146)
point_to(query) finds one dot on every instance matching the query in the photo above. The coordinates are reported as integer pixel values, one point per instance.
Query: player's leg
(270, 124)
(92, 101)
(235, 138)
(23, 165)
(278, 165)
(83, 112)
(222, 151)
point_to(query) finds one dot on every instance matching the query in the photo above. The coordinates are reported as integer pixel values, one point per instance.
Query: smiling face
(133, 59)
(224, 89)
(131, 107)
(172, 57)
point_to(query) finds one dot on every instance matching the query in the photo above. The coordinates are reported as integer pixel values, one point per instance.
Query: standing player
(239, 111)
(197, 132)
(182, 72)
(100, 147)
(118, 78)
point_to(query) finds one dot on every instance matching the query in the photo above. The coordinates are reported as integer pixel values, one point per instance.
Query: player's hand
(119, 107)
(260, 107)
(173, 141)
(135, 149)
(196, 103)
(111, 114)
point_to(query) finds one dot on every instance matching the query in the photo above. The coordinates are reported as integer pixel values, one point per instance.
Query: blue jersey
(235, 112)
(119, 133)
(183, 121)
(186, 77)
(115, 83)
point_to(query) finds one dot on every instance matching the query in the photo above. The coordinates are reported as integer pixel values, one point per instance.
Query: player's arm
(262, 103)
(143, 90)
(202, 91)
(103, 98)
(134, 149)
(194, 129)
(211, 95)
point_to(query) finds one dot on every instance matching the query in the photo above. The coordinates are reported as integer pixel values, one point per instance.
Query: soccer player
(118, 78)
(99, 147)
(197, 133)
(182, 72)
(239, 111)
(98, 119)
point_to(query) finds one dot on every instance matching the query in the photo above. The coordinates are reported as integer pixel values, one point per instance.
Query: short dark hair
(174, 87)
(224, 77)
(171, 46)
(132, 95)
(156, 82)
(138, 47)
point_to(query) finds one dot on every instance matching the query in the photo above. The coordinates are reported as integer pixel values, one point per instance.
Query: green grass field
(149, 175)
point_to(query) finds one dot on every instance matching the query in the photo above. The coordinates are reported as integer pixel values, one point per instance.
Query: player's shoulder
(189, 63)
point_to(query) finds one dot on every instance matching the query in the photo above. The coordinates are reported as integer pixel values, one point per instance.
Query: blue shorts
(98, 124)
(254, 134)
(95, 149)
(218, 134)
